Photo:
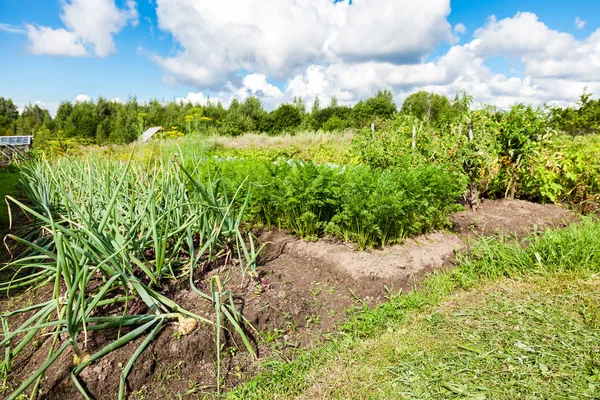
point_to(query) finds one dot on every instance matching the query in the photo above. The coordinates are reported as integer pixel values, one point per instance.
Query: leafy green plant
(107, 234)
(520, 129)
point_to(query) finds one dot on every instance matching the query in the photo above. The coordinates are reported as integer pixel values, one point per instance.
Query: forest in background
(106, 122)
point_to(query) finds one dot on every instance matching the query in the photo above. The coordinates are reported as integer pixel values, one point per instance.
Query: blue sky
(194, 49)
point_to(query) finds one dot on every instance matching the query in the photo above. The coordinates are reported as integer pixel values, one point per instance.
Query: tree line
(107, 122)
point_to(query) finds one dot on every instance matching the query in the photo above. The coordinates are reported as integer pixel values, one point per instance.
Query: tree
(252, 109)
(31, 119)
(285, 118)
(62, 115)
(126, 123)
(334, 124)
(428, 107)
(9, 113)
(82, 122)
(105, 113)
(236, 121)
(380, 106)
(583, 120)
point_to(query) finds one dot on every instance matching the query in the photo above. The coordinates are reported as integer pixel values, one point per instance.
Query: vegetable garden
(115, 234)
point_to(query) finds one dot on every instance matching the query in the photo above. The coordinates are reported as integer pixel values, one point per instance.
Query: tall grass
(9, 177)
(107, 234)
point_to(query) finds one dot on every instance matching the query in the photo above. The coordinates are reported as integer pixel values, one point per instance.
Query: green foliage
(507, 148)
(31, 119)
(286, 118)
(333, 124)
(368, 206)
(56, 145)
(565, 170)
(434, 109)
(9, 113)
(583, 120)
(77, 242)
(9, 177)
(520, 129)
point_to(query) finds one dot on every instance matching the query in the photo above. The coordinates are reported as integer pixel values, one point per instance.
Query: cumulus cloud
(54, 42)
(520, 35)
(82, 98)
(257, 85)
(557, 68)
(350, 49)
(579, 23)
(218, 39)
(89, 28)
(252, 85)
(460, 29)
(196, 99)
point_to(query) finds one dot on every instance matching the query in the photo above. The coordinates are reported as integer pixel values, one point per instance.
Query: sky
(501, 53)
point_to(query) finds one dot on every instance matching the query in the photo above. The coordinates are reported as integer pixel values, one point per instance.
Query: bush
(285, 118)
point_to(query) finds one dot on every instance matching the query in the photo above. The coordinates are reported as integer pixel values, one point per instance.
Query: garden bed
(303, 290)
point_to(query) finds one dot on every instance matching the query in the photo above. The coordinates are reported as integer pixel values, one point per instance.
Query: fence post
(414, 137)
(470, 131)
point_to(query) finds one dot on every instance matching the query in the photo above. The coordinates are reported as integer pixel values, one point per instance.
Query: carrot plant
(372, 207)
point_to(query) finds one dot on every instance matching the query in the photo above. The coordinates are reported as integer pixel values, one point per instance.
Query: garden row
(370, 207)
(104, 233)
(516, 153)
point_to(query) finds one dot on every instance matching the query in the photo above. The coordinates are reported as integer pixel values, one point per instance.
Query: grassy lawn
(537, 338)
(8, 183)
(510, 322)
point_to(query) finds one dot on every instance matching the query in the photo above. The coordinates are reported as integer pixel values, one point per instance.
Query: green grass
(8, 186)
(506, 340)
(513, 320)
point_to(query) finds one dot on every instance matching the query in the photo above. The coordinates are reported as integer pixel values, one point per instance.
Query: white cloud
(258, 86)
(579, 23)
(557, 68)
(460, 29)
(521, 35)
(116, 100)
(82, 98)
(325, 49)
(252, 85)
(90, 26)
(54, 42)
(277, 38)
(12, 29)
(319, 48)
(194, 98)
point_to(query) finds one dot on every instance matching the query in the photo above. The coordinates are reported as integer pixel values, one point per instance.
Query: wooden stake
(470, 131)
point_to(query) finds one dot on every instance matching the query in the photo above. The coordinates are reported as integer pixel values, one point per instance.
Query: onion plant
(105, 235)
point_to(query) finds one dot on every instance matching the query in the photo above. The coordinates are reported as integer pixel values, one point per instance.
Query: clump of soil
(512, 217)
(303, 290)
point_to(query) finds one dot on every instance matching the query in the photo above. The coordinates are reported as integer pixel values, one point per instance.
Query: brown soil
(512, 217)
(303, 291)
